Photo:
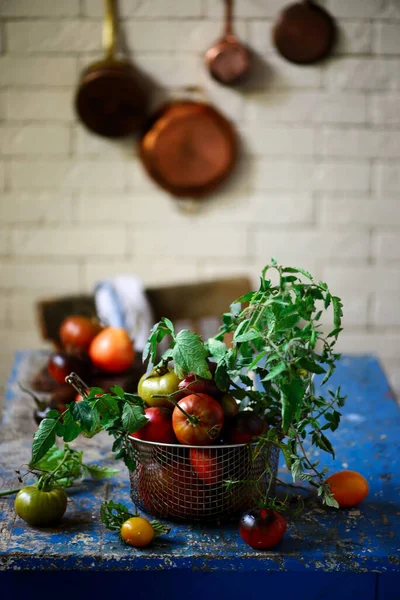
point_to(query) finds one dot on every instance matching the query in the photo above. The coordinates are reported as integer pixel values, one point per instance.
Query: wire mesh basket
(190, 482)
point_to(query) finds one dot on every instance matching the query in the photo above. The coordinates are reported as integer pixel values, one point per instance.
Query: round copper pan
(188, 148)
(110, 99)
(228, 61)
(304, 33)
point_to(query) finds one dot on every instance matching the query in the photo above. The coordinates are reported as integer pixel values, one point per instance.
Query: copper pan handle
(228, 18)
(109, 29)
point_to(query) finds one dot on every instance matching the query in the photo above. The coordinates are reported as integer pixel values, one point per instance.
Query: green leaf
(277, 370)
(335, 332)
(322, 442)
(169, 325)
(287, 323)
(291, 398)
(257, 359)
(217, 349)
(98, 472)
(302, 271)
(311, 366)
(221, 377)
(50, 460)
(83, 413)
(117, 390)
(329, 374)
(157, 334)
(93, 392)
(253, 334)
(43, 439)
(71, 429)
(246, 297)
(190, 354)
(337, 311)
(133, 417)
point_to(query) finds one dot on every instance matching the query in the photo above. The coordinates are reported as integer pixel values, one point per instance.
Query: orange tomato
(112, 350)
(349, 488)
(137, 532)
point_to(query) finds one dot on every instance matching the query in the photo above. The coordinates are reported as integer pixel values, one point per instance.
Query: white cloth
(121, 302)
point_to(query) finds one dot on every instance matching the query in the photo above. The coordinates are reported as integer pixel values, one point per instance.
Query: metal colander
(189, 482)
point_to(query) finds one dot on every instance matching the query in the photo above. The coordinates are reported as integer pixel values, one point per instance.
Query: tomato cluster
(87, 348)
(192, 412)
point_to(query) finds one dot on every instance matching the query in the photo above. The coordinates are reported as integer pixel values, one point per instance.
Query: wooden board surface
(353, 541)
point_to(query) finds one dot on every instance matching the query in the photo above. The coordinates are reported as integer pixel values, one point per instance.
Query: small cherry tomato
(112, 350)
(262, 528)
(349, 488)
(77, 332)
(159, 426)
(41, 508)
(201, 422)
(159, 382)
(137, 532)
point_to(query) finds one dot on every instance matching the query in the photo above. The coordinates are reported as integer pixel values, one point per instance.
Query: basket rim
(213, 446)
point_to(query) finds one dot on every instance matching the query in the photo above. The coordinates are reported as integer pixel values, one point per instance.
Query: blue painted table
(325, 553)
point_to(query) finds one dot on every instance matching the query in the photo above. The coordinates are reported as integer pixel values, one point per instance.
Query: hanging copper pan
(110, 99)
(188, 148)
(228, 61)
(304, 32)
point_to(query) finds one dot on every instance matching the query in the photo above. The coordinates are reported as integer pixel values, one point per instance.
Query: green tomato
(156, 383)
(40, 508)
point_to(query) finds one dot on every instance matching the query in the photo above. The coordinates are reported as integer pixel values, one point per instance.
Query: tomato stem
(191, 418)
(45, 481)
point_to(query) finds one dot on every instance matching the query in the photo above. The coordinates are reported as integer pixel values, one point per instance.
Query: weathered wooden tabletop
(357, 541)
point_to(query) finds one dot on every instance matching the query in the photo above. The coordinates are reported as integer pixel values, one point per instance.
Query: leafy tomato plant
(279, 344)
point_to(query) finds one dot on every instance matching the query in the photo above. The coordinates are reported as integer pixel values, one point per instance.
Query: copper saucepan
(304, 32)
(111, 100)
(228, 61)
(188, 148)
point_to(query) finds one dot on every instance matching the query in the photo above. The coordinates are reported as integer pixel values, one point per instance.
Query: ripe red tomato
(159, 426)
(193, 384)
(112, 350)
(171, 490)
(206, 465)
(245, 426)
(202, 423)
(262, 528)
(77, 332)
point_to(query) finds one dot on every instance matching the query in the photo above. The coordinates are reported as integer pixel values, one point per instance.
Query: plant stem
(191, 418)
(10, 492)
(46, 479)
(311, 468)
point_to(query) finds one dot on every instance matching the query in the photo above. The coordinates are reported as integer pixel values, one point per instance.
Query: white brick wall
(317, 184)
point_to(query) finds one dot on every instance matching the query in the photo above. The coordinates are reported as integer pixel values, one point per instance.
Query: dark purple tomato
(262, 528)
(244, 427)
